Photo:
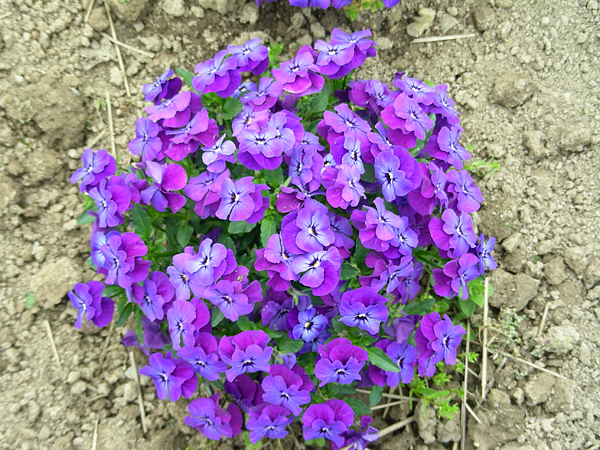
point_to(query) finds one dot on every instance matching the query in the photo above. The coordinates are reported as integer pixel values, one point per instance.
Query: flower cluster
(288, 235)
(339, 4)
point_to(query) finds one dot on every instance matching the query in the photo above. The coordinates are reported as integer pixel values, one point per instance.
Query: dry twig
(97, 139)
(51, 338)
(5, 15)
(463, 414)
(119, 57)
(521, 360)
(484, 345)
(111, 128)
(441, 38)
(114, 41)
(388, 402)
(543, 321)
(89, 11)
(387, 405)
(394, 396)
(95, 436)
(139, 392)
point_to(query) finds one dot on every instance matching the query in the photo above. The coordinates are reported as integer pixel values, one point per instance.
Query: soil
(528, 86)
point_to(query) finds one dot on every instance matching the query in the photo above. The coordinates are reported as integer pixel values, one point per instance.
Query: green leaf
(217, 317)
(348, 271)
(274, 177)
(423, 307)
(285, 344)
(369, 175)
(184, 234)
(378, 358)
(245, 324)
(91, 264)
(124, 308)
(186, 76)
(477, 291)
(85, 218)
(231, 108)
(274, 51)
(467, 307)
(319, 103)
(227, 242)
(358, 407)
(249, 444)
(30, 301)
(112, 291)
(240, 227)
(142, 224)
(375, 395)
(268, 228)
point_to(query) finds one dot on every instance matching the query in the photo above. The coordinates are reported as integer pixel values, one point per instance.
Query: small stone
(116, 76)
(78, 388)
(577, 139)
(518, 395)
(130, 10)
(152, 43)
(533, 142)
(384, 43)
(576, 260)
(98, 20)
(447, 22)
(504, 3)
(221, 6)
(8, 192)
(197, 11)
(317, 30)
(512, 89)
(484, 17)
(498, 398)
(449, 430)
(70, 225)
(34, 411)
(592, 5)
(130, 392)
(426, 422)
(592, 273)
(422, 23)
(173, 7)
(512, 242)
(562, 338)
(138, 26)
(249, 13)
(512, 291)
(74, 376)
(539, 389)
(545, 247)
(554, 271)
(453, 11)
(54, 280)
(297, 20)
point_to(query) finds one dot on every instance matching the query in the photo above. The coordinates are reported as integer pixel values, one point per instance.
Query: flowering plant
(286, 239)
(351, 7)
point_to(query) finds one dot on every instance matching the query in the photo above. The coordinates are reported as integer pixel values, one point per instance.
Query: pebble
(174, 8)
(447, 22)
(249, 13)
(70, 225)
(73, 377)
(130, 392)
(317, 30)
(453, 11)
(78, 388)
(422, 23)
(592, 5)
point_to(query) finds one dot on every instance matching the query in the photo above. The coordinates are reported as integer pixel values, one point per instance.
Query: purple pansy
(468, 194)
(112, 201)
(251, 56)
(407, 115)
(146, 142)
(247, 352)
(88, 300)
(437, 340)
(203, 357)
(162, 88)
(96, 167)
(268, 421)
(218, 154)
(167, 179)
(242, 200)
(219, 75)
(453, 278)
(172, 377)
(328, 420)
(153, 294)
(340, 362)
(231, 304)
(300, 75)
(310, 325)
(363, 308)
(321, 270)
(123, 259)
(453, 232)
(212, 421)
(286, 388)
(484, 253)
(343, 186)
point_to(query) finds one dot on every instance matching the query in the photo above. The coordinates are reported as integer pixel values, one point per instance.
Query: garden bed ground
(528, 86)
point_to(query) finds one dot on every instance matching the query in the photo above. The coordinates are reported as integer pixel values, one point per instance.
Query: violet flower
(209, 418)
(363, 308)
(327, 420)
(443, 105)
(340, 362)
(268, 421)
(162, 88)
(484, 252)
(217, 75)
(310, 325)
(123, 259)
(167, 178)
(172, 379)
(180, 319)
(217, 155)
(96, 167)
(146, 142)
(251, 56)
(363, 47)
(88, 300)
(265, 96)
(445, 147)
(204, 357)
(296, 75)
(247, 352)
(285, 388)
(321, 270)
(246, 392)
(468, 194)
(155, 292)
(437, 340)
(232, 305)
(112, 201)
(453, 232)
(242, 200)
(343, 187)
(453, 278)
